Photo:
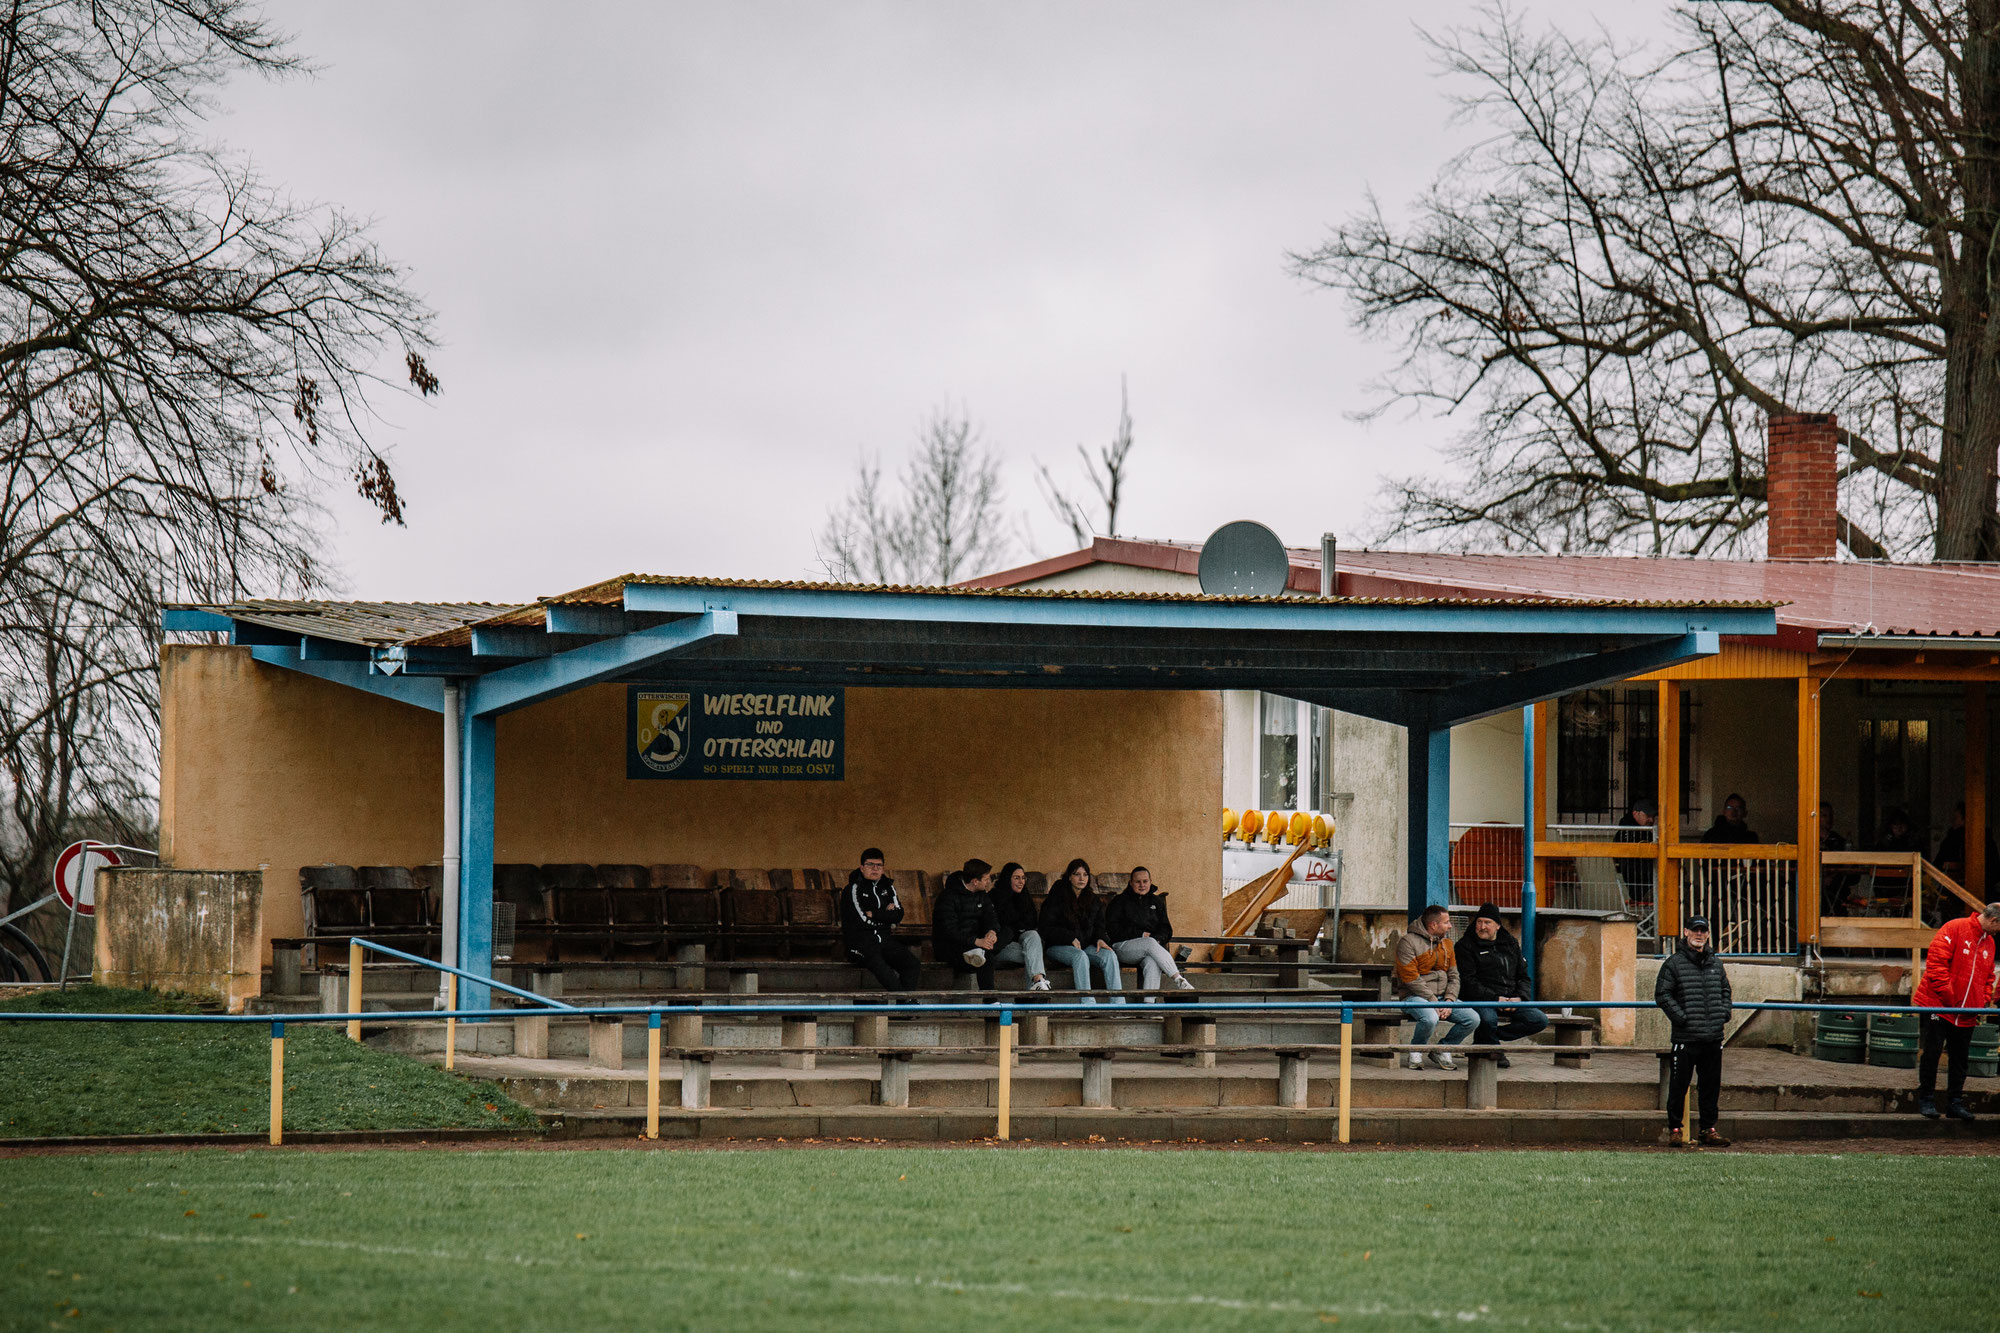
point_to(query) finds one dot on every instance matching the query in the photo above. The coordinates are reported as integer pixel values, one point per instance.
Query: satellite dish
(1244, 559)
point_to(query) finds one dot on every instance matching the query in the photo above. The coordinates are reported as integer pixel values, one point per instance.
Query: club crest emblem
(662, 734)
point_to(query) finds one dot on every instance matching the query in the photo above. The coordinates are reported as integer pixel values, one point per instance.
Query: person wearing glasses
(1693, 992)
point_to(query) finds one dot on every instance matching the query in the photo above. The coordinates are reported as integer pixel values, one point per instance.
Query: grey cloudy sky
(692, 261)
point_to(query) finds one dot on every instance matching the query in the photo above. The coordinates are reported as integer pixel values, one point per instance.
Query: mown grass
(206, 1078)
(926, 1239)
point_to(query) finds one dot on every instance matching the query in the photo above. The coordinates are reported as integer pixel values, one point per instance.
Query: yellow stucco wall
(266, 766)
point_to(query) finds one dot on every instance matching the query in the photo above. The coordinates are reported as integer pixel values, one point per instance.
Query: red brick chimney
(1802, 495)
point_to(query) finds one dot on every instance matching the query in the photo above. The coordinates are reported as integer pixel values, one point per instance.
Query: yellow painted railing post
(450, 1023)
(1006, 1073)
(277, 1082)
(354, 988)
(653, 1075)
(1346, 1065)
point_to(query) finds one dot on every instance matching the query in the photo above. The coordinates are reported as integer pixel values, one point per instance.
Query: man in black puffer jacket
(965, 930)
(1490, 967)
(1693, 992)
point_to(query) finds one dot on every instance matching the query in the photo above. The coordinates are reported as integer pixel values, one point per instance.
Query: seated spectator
(1020, 941)
(1490, 967)
(1072, 930)
(1831, 839)
(1951, 853)
(869, 913)
(1897, 835)
(1427, 969)
(1136, 924)
(965, 930)
(1732, 824)
(1636, 872)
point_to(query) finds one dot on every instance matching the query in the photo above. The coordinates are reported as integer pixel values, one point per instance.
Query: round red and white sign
(76, 874)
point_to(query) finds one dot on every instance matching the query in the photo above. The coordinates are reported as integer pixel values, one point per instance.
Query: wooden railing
(1907, 875)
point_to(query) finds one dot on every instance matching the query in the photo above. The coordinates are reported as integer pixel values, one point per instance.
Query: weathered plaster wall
(263, 766)
(186, 930)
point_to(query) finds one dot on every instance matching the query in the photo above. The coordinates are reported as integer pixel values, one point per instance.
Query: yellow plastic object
(1228, 821)
(1248, 823)
(1274, 828)
(1322, 831)
(1301, 828)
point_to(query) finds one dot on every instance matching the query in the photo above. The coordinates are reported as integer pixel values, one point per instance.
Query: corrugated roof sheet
(450, 624)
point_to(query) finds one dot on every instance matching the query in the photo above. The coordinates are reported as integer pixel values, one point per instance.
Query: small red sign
(76, 874)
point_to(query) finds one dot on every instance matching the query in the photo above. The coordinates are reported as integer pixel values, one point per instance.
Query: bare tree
(186, 359)
(948, 523)
(1106, 474)
(1792, 211)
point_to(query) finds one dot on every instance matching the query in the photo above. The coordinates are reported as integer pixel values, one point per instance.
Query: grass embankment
(214, 1078)
(887, 1239)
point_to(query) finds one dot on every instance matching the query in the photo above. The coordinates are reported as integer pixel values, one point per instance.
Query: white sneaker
(1444, 1062)
(1182, 983)
(1039, 983)
(974, 957)
(1416, 1060)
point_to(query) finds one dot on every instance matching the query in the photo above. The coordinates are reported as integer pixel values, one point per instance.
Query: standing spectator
(1837, 883)
(1958, 974)
(965, 929)
(1490, 967)
(1732, 825)
(1427, 969)
(1020, 941)
(869, 913)
(1693, 992)
(1897, 835)
(1634, 872)
(1072, 928)
(1831, 839)
(1136, 923)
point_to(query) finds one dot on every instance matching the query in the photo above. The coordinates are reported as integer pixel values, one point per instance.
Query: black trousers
(892, 964)
(1941, 1036)
(984, 973)
(1691, 1058)
(1514, 1024)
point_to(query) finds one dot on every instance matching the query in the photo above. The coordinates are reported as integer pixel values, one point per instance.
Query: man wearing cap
(1958, 974)
(1693, 992)
(1490, 967)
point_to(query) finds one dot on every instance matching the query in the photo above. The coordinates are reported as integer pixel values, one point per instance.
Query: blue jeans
(1464, 1022)
(1025, 952)
(1078, 961)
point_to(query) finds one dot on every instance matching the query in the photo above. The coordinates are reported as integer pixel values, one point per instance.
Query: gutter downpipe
(453, 803)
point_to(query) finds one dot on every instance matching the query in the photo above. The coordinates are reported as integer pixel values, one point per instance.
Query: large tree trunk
(1967, 528)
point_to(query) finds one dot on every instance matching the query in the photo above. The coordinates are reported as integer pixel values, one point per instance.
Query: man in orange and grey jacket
(1958, 974)
(1427, 969)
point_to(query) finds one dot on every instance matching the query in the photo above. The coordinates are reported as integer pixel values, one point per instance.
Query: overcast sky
(692, 261)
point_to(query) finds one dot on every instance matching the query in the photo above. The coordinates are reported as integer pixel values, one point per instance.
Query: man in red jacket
(1958, 974)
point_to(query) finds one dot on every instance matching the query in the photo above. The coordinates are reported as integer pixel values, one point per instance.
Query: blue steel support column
(475, 865)
(1429, 815)
(1528, 844)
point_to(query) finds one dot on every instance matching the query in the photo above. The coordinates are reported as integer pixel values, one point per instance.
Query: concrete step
(1249, 1125)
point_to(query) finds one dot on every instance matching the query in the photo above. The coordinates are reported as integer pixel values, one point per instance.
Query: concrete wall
(185, 930)
(1486, 770)
(267, 767)
(1370, 825)
(1749, 983)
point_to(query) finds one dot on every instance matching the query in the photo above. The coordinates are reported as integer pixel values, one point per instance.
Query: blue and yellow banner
(722, 732)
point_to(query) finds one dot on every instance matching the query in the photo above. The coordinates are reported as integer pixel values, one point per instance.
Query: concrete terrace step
(1250, 1125)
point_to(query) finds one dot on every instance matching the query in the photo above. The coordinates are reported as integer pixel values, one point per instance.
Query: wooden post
(1667, 819)
(354, 988)
(277, 1083)
(1809, 793)
(450, 1023)
(653, 1075)
(1006, 1072)
(1346, 1066)
(1976, 868)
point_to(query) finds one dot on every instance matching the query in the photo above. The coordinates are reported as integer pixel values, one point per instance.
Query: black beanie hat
(1487, 910)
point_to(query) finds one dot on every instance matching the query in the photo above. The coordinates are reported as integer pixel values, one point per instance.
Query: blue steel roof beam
(188, 620)
(597, 622)
(417, 691)
(531, 682)
(510, 641)
(1242, 617)
(331, 650)
(1499, 694)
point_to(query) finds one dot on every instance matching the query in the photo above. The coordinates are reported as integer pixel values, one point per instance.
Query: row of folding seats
(390, 901)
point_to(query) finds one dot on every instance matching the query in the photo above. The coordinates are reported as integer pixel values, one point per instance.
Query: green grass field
(969, 1238)
(214, 1078)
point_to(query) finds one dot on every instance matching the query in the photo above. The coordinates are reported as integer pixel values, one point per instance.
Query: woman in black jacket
(1136, 923)
(1072, 929)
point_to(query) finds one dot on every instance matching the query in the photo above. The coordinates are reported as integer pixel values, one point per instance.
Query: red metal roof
(1813, 596)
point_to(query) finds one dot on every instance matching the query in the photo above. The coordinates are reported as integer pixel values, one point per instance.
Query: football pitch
(924, 1238)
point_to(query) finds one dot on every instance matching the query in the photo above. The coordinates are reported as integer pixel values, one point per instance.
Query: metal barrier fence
(655, 1014)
